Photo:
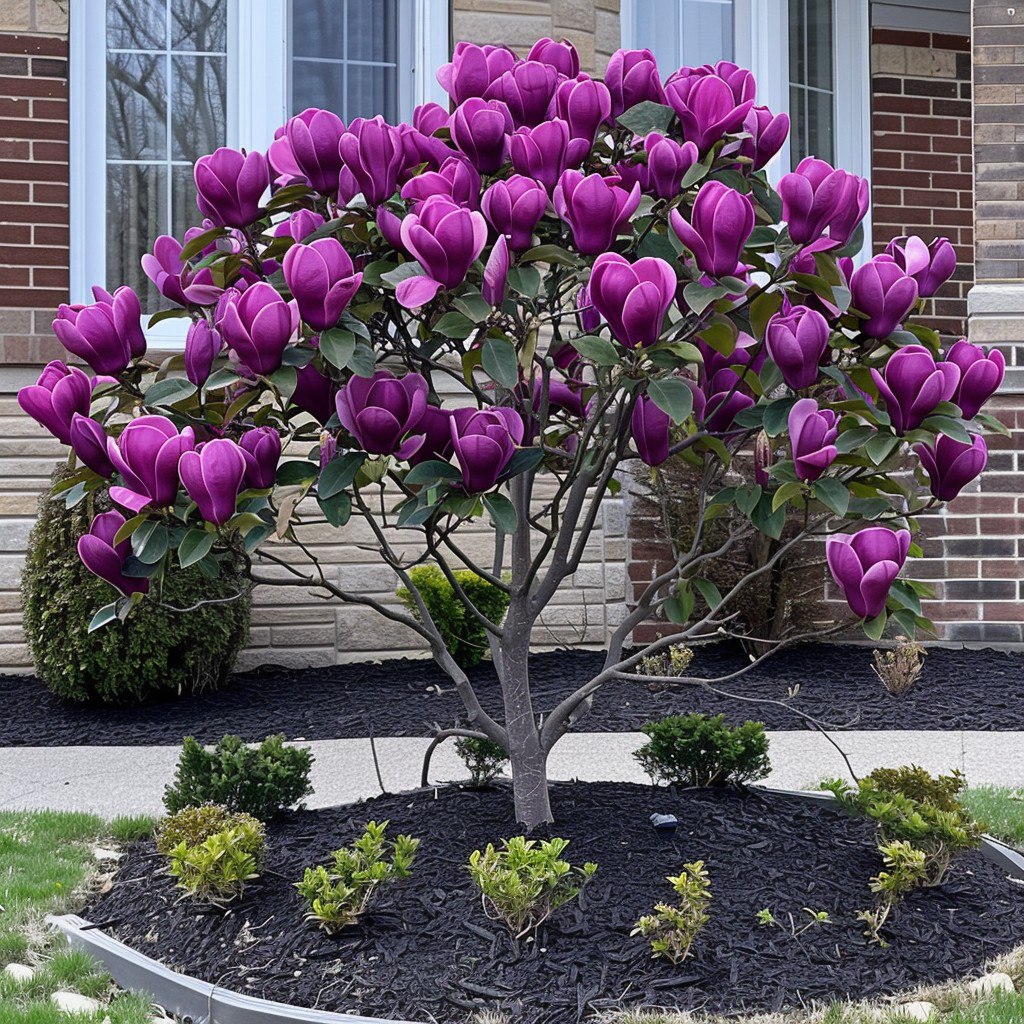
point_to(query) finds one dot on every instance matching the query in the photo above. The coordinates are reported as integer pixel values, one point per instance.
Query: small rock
(101, 854)
(74, 1002)
(914, 1011)
(989, 983)
(21, 973)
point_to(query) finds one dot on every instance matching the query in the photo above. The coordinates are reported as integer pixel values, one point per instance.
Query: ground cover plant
(601, 271)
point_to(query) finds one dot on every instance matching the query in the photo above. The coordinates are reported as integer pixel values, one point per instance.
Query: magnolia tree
(484, 315)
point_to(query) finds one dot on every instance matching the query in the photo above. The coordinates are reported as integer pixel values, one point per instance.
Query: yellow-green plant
(217, 869)
(905, 869)
(673, 929)
(193, 825)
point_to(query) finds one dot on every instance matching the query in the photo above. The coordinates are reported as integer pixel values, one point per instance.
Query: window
(811, 80)
(681, 32)
(158, 83)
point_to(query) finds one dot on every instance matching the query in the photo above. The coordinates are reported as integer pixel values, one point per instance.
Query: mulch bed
(960, 689)
(426, 952)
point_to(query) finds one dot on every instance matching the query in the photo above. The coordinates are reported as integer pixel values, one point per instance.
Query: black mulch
(426, 952)
(960, 689)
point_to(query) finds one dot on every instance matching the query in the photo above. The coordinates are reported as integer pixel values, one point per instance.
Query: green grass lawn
(1000, 810)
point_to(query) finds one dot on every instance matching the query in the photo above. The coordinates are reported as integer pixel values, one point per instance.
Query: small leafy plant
(697, 750)
(259, 780)
(483, 758)
(194, 825)
(217, 869)
(905, 869)
(340, 894)
(816, 918)
(672, 930)
(900, 667)
(673, 662)
(526, 881)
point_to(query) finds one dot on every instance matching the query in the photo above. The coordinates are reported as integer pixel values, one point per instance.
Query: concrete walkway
(130, 780)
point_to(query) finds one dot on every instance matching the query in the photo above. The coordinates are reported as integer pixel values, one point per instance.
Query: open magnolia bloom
(415, 325)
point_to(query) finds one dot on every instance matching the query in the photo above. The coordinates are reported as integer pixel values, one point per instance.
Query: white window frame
(259, 55)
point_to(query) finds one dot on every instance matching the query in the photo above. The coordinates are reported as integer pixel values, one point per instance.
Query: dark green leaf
(339, 473)
(455, 325)
(150, 542)
(880, 447)
(711, 594)
(195, 545)
(851, 440)
(832, 494)
(768, 520)
(776, 416)
(337, 509)
(875, 627)
(363, 361)
(473, 305)
(646, 117)
(954, 428)
(431, 472)
(337, 346)
(500, 362)
(785, 493)
(597, 350)
(106, 615)
(284, 379)
(525, 280)
(169, 391)
(402, 273)
(221, 379)
(549, 254)
(167, 314)
(502, 511)
(296, 472)
(671, 395)
(200, 242)
(522, 461)
(698, 298)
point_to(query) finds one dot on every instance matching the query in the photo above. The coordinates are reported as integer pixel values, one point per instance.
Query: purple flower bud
(883, 294)
(584, 104)
(230, 184)
(650, 426)
(667, 162)
(322, 279)
(314, 393)
(542, 153)
(473, 69)
(527, 89)
(796, 341)
(483, 442)
(89, 443)
(300, 225)
(912, 384)
(587, 315)
(561, 55)
(723, 402)
(633, 297)
(437, 436)
(496, 273)
(390, 226)
(816, 197)
(457, 179)
(107, 334)
(812, 435)
(931, 266)
(951, 465)
(865, 564)
(372, 151)
(203, 344)
(261, 447)
(767, 132)
(420, 150)
(595, 208)
(480, 129)
(382, 410)
(212, 475)
(282, 161)
(746, 352)
(328, 449)
(632, 77)
(514, 208)
(313, 137)
(60, 392)
(103, 558)
(706, 105)
(720, 224)
(147, 455)
(164, 267)
(981, 373)
(257, 327)
(763, 458)
(429, 118)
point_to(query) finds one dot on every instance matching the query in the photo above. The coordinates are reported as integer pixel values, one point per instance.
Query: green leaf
(337, 509)
(150, 543)
(776, 416)
(363, 361)
(473, 305)
(106, 615)
(671, 395)
(769, 521)
(698, 298)
(128, 528)
(903, 595)
(402, 273)
(337, 346)
(221, 379)
(785, 492)
(762, 309)
(832, 494)
(549, 254)
(874, 628)
(851, 440)
(525, 280)
(169, 391)
(502, 511)
(880, 447)
(200, 242)
(523, 460)
(339, 473)
(296, 472)
(455, 325)
(256, 536)
(646, 117)
(167, 314)
(598, 350)
(500, 362)
(711, 594)
(284, 379)
(746, 498)
(680, 608)
(431, 472)
(194, 546)
(949, 426)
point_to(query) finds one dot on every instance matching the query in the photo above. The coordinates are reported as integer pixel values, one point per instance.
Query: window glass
(811, 80)
(166, 99)
(681, 32)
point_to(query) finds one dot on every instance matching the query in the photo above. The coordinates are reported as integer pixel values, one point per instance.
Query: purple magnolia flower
(667, 162)
(60, 392)
(314, 393)
(764, 456)
(724, 401)
(543, 153)
(706, 105)
(381, 410)
(584, 104)
(587, 315)
(720, 224)
(912, 384)
(390, 227)
(473, 69)
(437, 436)
(527, 89)
(261, 447)
(865, 564)
(496, 273)
(313, 138)
(768, 134)
(212, 476)
(457, 179)
(429, 118)
(632, 77)
(560, 54)
(164, 268)
(372, 151)
(951, 465)
(483, 442)
(595, 208)
(445, 238)
(883, 293)
(257, 326)
(422, 150)
(230, 184)
(322, 279)
(203, 344)
(480, 129)
(816, 197)
(106, 334)
(651, 428)
(812, 435)
(282, 161)
(514, 207)
(300, 225)
(89, 443)
(103, 558)
(147, 455)
(632, 297)
(796, 340)
(981, 373)
(931, 266)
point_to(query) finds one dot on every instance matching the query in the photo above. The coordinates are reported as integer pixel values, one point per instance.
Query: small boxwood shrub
(217, 869)
(464, 637)
(259, 780)
(697, 750)
(483, 758)
(194, 825)
(156, 653)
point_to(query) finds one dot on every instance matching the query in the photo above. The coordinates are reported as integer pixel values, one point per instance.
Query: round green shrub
(156, 652)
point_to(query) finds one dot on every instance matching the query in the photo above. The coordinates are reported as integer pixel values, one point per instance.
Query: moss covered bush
(157, 652)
